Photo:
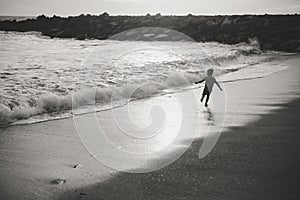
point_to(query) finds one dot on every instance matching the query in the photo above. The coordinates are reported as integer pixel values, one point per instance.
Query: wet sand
(256, 157)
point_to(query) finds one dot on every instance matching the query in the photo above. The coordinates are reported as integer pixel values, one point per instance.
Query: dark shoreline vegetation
(274, 32)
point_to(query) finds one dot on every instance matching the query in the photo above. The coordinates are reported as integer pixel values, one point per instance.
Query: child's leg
(203, 95)
(207, 98)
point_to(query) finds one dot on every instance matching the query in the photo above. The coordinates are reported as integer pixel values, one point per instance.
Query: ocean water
(43, 78)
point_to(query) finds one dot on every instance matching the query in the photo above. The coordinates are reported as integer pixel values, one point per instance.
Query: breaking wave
(114, 92)
(102, 98)
(53, 103)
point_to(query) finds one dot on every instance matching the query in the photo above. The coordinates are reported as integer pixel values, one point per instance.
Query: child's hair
(210, 72)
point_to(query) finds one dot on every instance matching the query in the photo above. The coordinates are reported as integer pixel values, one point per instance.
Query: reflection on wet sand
(209, 116)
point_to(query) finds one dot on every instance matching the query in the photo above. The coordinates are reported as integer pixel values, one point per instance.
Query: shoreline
(34, 155)
(67, 114)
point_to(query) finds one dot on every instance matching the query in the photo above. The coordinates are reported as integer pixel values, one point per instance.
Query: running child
(209, 83)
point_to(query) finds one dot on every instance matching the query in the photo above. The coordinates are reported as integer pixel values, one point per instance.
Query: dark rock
(290, 46)
(274, 32)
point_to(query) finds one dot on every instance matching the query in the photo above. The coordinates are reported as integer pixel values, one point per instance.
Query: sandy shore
(256, 157)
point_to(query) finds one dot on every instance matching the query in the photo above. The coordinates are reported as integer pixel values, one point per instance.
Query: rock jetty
(274, 32)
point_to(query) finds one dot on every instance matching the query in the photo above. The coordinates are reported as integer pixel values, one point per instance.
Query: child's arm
(219, 85)
(200, 81)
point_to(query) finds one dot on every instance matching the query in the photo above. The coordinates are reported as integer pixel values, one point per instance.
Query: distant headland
(274, 32)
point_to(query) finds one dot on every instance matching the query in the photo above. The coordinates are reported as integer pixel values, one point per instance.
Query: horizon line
(134, 15)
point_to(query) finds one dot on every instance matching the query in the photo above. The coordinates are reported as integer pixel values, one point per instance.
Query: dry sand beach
(256, 157)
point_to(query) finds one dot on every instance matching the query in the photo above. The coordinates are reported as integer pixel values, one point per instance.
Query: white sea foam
(50, 77)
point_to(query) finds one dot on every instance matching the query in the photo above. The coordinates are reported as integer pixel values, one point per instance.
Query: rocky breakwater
(274, 32)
